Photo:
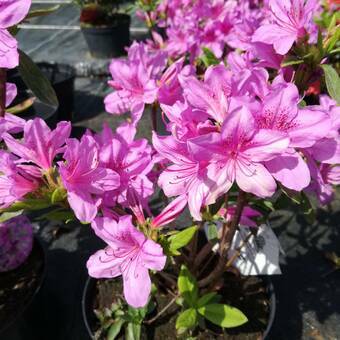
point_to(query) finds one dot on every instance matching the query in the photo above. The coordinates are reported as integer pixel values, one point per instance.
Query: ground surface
(308, 300)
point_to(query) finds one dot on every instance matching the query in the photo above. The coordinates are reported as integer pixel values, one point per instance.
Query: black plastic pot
(90, 319)
(62, 78)
(108, 41)
(11, 325)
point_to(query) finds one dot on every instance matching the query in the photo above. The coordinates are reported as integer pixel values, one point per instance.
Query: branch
(226, 243)
(148, 322)
(2, 91)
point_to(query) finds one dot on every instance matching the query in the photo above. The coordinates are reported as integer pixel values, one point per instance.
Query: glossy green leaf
(187, 286)
(208, 298)
(115, 329)
(332, 82)
(223, 315)
(186, 320)
(181, 239)
(36, 81)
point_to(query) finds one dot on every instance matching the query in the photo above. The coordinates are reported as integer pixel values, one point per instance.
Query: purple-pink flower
(134, 81)
(128, 254)
(239, 150)
(12, 12)
(130, 159)
(84, 179)
(40, 145)
(288, 22)
(15, 182)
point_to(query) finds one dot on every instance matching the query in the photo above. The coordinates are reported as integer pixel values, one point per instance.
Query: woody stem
(226, 243)
(2, 91)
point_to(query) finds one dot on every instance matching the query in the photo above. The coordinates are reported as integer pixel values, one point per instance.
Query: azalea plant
(247, 94)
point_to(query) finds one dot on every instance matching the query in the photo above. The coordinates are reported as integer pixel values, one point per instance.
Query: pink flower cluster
(12, 12)
(239, 124)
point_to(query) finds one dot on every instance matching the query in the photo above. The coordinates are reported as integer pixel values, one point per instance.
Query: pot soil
(108, 41)
(18, 287)
(253, 295)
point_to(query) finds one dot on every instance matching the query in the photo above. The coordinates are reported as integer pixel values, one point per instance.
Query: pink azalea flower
(40, 145)
(170, 89)
(186, 122)
(240, 150)
(327, 149)
(11, 123)
(170, 212)
(134, 81)
(280, 112)
(324, 176)
(212, 95)
(128, 254)
(288, 22)
(130, 159)
(12, 13)
(201, 182)
(83, 178)
(15, 182)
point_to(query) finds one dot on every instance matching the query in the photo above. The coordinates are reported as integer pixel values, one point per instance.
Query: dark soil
(249, 294)
(18, 286)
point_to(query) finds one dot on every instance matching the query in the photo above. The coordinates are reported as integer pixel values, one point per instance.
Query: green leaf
(42, 12)
(36, 80)
(332, 82)
(208, 298)
(28, 204)
(115, 329)
(58, 195)
(209, 57)
(181, 239)
(58, 215)
(26, 104)
(187, 286)
(295, 196)
(290, 62)
(223, 315)
(331, 42)
(186, 320)
(8, 215)
(308, 209)
(212, 233)
(133, 331)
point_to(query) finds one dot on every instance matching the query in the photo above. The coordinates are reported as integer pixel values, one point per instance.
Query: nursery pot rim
(268, 282)
(121, 18)
(38, 243)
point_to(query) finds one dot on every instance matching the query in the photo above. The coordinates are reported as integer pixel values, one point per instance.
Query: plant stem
(149, 322)
(203, 253)
(238, 250)
(226, 243)
(154, 116)
(2, 91)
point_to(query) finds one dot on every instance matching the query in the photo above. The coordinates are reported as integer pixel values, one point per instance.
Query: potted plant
(238, 141)
(105, 28)
(22, 266)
